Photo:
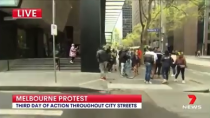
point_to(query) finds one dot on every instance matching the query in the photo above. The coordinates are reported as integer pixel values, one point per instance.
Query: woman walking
(181, 65)
(135, 63)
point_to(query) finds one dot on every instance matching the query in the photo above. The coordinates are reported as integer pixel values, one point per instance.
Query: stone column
(8, 40)
(90, 16)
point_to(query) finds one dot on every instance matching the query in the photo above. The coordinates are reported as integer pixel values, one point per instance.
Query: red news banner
(77, 101)
(27, 13)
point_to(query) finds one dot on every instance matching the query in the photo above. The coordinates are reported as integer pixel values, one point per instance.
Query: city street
(156, 104)
(195, 80)
(159, 100)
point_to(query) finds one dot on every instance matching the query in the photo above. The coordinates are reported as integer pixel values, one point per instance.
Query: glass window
(9, 3)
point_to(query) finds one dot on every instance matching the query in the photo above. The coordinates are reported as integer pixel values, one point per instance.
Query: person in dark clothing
(123, 58)
(57, 55)
(181, 65)
(166, 64)
(135, 63)
(119, 53)
(102, 58)
(112, 60)
(158, 65)
(114, 54)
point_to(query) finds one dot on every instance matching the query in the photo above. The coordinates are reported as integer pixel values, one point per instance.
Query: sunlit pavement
(156, 104)
(194, 80)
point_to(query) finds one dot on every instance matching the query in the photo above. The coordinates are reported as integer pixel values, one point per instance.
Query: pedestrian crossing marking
(139, 86)
(31, 112)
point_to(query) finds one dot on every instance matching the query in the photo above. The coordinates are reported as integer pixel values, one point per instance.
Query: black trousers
(158, 67)
(109, 65)
(165, 72)
(182, 70)
(72, 58)
(119, 64)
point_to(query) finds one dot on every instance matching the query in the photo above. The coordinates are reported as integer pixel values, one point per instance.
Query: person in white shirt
(150, 58)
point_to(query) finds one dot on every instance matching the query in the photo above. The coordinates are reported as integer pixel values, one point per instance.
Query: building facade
(135, 13)
(206, 30)
(27, 38)
(127, 19)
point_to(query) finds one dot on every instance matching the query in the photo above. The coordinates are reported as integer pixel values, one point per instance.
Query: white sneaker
(172, 75)
(150, 82)
(175, 80)
(71, 62)
(164, 81)
(183, 82)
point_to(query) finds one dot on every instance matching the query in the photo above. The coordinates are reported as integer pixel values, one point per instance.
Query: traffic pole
(53, 22)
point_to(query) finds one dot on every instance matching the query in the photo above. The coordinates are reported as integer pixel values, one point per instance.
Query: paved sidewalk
(174, 100)
(78, 80)
(197, 61)
(46, 79)
(137, 83)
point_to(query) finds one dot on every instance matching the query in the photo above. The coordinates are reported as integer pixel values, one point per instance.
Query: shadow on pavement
(149, 110)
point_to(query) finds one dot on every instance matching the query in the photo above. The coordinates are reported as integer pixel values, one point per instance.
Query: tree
(175, 13)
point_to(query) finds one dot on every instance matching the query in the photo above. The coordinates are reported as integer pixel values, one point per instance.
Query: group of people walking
(158, 63)
(129, 60)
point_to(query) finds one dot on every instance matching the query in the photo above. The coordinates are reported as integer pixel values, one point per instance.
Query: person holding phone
(73, 53)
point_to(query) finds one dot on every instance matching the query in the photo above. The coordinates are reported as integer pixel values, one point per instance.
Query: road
(159, 101)
(151, 108)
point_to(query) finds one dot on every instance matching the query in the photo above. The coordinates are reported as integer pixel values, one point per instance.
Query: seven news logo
(191, 105)
(27, 13)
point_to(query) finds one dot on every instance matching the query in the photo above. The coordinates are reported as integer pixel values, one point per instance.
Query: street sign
(153, 30)
(54, 30)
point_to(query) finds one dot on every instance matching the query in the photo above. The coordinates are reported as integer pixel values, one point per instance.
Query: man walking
(149, 59)
(102, 58)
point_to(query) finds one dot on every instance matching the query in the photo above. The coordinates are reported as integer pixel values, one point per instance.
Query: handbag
(182, 66)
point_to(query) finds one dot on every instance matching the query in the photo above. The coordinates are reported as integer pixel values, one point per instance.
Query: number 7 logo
(193, 98)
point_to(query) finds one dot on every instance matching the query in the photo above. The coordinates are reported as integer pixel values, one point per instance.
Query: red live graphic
(26, 13)
(192, 99)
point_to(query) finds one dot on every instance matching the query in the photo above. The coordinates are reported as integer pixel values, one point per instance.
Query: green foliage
(174, 13)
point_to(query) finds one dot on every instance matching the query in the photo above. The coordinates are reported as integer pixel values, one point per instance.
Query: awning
(113, 11)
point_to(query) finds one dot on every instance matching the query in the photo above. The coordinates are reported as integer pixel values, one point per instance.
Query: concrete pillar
(90, 14)
(103, 7)
(8, 40)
